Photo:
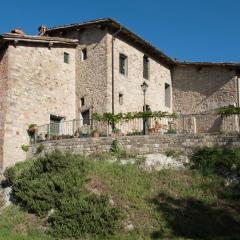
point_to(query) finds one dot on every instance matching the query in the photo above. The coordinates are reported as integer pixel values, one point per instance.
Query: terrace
(209, 122)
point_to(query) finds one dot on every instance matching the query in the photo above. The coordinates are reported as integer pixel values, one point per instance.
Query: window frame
(55, 124)
(84, 54)
(146, 67)
(120, 98)
(167, 95)
(123, 58)
(82, 101)
(66, 57)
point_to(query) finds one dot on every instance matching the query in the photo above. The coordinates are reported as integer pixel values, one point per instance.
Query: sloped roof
(125, 32)
(36, 39)
(209, 64)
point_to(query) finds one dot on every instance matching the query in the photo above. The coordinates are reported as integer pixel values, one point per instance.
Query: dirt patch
(32, 220)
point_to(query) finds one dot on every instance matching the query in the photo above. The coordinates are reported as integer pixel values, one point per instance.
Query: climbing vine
(116, 118)
(229, 110)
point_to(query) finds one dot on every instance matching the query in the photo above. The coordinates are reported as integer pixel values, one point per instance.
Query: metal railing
(184, 124)
(79, 128)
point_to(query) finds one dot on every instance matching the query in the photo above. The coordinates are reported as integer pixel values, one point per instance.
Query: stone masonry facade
(198, 89)
(69, 70)
(39, 84)
(186, 143)
(3, 99)
(129, 85)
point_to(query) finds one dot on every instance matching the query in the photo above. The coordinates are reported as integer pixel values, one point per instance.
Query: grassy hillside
(169, 204)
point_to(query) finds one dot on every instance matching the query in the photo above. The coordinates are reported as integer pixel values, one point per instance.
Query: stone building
(69, 72)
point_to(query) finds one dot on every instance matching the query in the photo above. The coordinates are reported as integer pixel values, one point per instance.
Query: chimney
(42, 30)
(18, 31)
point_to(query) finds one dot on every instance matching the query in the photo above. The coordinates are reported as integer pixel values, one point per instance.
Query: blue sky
(192, 30)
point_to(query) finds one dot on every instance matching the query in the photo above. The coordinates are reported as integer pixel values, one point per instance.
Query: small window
(66, 57)
(167, 95)
(120, 98)
(123, 64)
(145, 67)
(82, 101)
(84, 54)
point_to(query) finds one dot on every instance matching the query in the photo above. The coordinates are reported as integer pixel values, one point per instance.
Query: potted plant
(96, 133)
(32, 129)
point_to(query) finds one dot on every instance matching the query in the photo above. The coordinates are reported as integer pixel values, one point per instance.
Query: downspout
(238, 90)
(113, 39)
(238, 97)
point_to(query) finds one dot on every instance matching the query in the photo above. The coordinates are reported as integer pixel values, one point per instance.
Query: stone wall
(3, 93)
(130, 84)
(198, 89)
(94, 75)
(91, 73)
(142, 144)
(40, 84)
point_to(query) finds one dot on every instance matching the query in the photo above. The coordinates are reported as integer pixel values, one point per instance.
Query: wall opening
(167, 95)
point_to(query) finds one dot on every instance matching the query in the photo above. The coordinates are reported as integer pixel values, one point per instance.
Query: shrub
(12, 174)
(40, 148)
(118, 149)
(25, 147)
(81, 216)
(217, 161)
(57, 182)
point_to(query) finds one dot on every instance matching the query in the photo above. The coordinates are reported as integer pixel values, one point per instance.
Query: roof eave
(114, 24)
(209, 64)
(37, 39)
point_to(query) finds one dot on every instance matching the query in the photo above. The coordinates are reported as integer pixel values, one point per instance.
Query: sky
(188, 30)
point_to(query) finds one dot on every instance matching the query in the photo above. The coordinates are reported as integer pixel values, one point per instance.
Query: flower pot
(32, 130)
(96, 134)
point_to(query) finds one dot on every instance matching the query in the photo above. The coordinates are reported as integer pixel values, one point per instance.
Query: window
(84, 54)
(55, 124)
(82, 101)
(145, 67)
(121, 98)
(167, 95)
(123, 64)
(86, 117)
(66, 57)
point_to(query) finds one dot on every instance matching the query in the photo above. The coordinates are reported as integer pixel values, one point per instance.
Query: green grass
(144, 197)
(161, 205)
(16, 224)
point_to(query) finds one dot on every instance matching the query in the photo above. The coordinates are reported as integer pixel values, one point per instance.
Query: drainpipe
(113, 39)
(238, 98)
(238, 91)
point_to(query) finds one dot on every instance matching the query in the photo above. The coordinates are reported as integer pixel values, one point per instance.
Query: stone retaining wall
(142, 144)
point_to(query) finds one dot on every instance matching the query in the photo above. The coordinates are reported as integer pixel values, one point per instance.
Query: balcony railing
(184, 124)
(78, 128)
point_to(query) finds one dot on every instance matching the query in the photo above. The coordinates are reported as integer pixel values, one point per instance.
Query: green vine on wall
(229, 110)
(116, 118)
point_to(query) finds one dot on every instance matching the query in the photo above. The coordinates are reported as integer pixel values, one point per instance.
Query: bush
(25, 147)
(85, 216)
(39, 148)
(117, 149)
(12, 174)
(57, 182)
(220, 161)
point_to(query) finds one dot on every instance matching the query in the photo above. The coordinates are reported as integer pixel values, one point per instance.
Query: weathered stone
(176, 142)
